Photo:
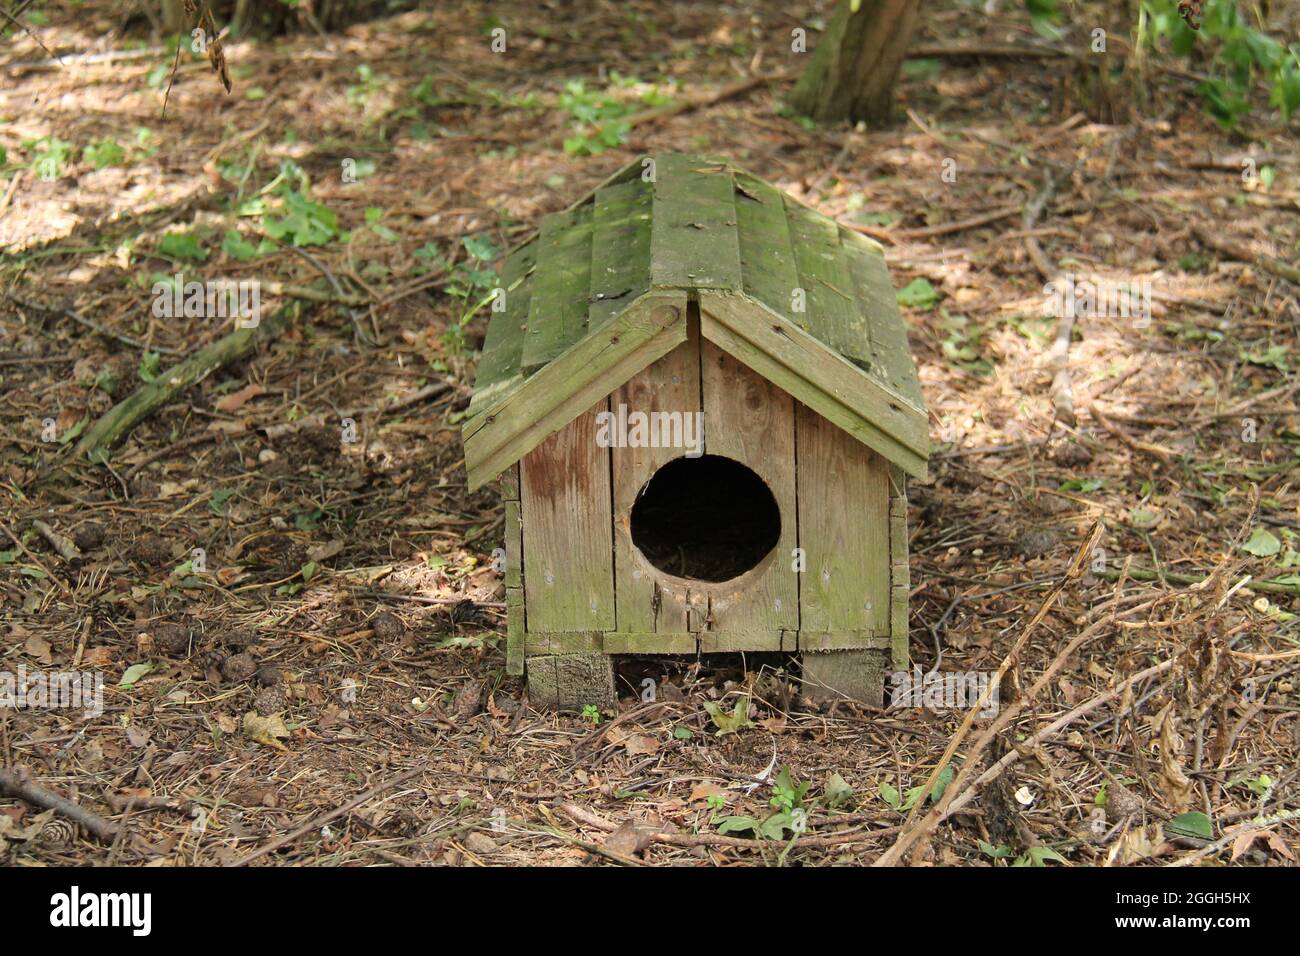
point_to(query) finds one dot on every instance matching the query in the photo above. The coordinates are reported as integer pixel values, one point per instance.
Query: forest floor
(336, 673)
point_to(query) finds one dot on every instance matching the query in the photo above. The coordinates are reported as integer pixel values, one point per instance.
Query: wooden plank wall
(844, 529)
(670, 384)
(565, 500)
(749, 419)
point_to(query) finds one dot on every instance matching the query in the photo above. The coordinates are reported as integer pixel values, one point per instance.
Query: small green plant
(786, 793)
(790, 814)
(592, 713)
(104, 153)
(599, 116)
(1238, 55)
(729, 722)
(150, 363)
(918, 294)
(50, 156)
(470, 282)
(360, 94)
(963, 344)
(904, 804)
(1034, 856)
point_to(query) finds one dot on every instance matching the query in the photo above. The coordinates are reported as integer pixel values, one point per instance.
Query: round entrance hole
(708, 518)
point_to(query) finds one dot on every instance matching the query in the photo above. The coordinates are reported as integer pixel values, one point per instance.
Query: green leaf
(1195, 824)
(1038, 856)
(1084, 485)
(218, 501)
(838, 792)
(1262, 544)
(679, 733)
(941, 783)
(182, 245)
(104, 153)
(309, 571)
(890, 795)
(133, 674)
(729, 723)
(481, 248)
(149, 366)
(237, 247)
(996, 852)
(304, 222)
(918, 294)
(74, 431)
(737, 824)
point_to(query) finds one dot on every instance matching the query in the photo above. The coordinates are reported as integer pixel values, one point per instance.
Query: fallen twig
(318, 822)
(117, 422)
(911, 831)
(14, 783)
(61, 543)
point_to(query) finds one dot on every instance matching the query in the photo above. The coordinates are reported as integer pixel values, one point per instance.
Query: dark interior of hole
(708, 518)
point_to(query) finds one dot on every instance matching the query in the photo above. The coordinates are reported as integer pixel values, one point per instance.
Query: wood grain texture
(899, 569)
(750, 420)
(568, 554)
(672, 384)
(515, 630)
(557, 309)
(558, 392)
(500, 364)
(620, 248)
(832, 314)
(843, 529)
(818, 377)
(766, 254)
(859, 675)
(890, 358)
(693, 242)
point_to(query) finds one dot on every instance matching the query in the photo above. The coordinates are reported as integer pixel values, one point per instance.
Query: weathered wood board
(672, 384)
(844, 530)
(565, 499)
(750, 420)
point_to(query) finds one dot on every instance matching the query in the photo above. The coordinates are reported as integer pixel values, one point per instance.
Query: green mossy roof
(707, 230)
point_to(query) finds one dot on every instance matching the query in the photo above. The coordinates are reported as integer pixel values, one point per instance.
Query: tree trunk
(855, 67)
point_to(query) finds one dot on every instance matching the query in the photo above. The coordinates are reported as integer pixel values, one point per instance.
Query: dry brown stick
(95, 327)
(987, 50)
(34, 559)
(686, 840)
(1059, 356)
(318, 822)
(968, 794)
(930, 232)
(14, 783)
(912, 831)
(61, 543)
(1155, 451)
(1244, 253)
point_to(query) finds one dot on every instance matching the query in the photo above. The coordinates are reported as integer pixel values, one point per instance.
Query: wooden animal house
(698, 396)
